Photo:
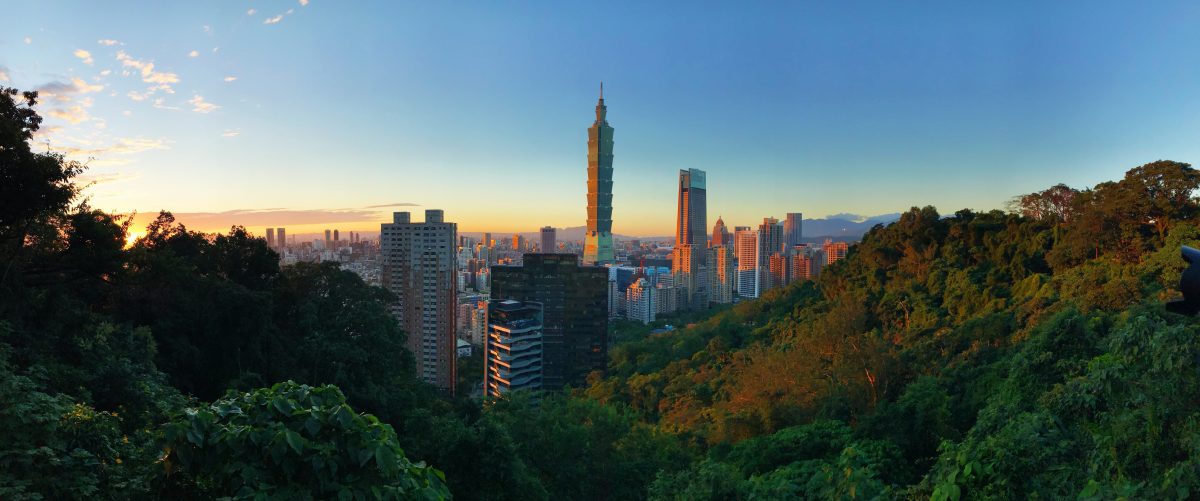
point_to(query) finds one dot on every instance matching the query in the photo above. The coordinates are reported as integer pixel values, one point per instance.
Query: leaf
(294, 440)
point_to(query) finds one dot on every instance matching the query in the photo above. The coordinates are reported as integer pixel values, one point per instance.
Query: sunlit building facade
(598, 242)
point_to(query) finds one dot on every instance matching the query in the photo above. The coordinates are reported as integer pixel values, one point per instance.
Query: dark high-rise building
(574, 299)
(792, 226)
(598, 243)
(336, 237)
(549, 240)
(281, 234)
(271, 237)
(512, 349)
(770, 242)
(328, 238)
(691, 240)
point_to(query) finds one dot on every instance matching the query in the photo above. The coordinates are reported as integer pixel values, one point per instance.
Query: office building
(336, 238)
(720, 235)
(770, 242)
(271, 237)
(792, 230)
(598, 243)
(746, 242)
(419, 267)
(512, 351)
(574, 299)
(281, 237)
(328, 239)
(691, 240)
(549, 241)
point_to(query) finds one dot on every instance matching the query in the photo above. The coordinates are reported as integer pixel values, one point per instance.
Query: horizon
(275, 114)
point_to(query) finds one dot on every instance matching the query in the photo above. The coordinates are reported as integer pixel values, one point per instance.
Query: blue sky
(481, 108)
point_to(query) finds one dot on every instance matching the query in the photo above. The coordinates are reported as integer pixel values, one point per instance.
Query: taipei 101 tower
(598, 244)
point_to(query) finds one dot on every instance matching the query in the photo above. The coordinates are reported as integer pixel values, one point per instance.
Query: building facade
(512, 356)
(575, 305)
(419, 266)
(720, 235)
(549, 240)
(722, 274)
(640, 300)
(598, 242)
(746, 242)
(793, 226)
(770, 242)
(835, 251)
(689, 262)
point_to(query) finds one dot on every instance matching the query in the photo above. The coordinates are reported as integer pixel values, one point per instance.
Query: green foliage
(290, 441)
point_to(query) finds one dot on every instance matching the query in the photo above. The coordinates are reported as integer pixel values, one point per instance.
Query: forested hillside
(1000, 355)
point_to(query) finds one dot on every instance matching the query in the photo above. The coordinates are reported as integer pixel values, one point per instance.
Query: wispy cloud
(122, 146)
(162, 78)
(4, 74)
(194, 53)
(251, 12)
(73, 114)
(108, 42)
(62, 92)
(230, 133)
(28, 40)
(199, 105)
(84, 56)
(221, 221)
(207, 29)
(273, 20)
(393, 204)
(161, 104)
(303, 2)
(230, 79)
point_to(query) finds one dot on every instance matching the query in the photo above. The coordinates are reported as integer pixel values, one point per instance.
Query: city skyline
(229, 99)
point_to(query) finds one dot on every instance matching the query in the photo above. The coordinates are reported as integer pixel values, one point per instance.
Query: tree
(290, 441)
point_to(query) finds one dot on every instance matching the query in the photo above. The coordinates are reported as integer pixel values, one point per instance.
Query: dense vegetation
(978, 355)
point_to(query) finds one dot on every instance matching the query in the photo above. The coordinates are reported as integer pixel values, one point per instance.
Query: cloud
(159, 103)
(230, 133)
(221, 221)
(194, 53)
(122, 146)
(4, 74)
(207, 29)
(73, 114)
(127, 113)
(84, 56)
(108, 42)
(273, 20)
(28, 40)
(105, 73)
(62, 92)
(251, 12)
(95, 179)
(393, 204)
(138, 96)
(303, 3)
(230, 79)
(200, 106)
(147, 70)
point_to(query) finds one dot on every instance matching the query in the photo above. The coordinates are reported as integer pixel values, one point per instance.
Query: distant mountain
(844, 226)
(562, 234)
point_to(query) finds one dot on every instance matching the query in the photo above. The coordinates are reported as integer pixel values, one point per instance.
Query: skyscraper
(720, 235)
(690, 260)
(770, 242)
(722, 276)
(281, 235)
(792, 226)
(336, 238)
(419, 267)
(746, 240)
(271, 237)
(549, 240)
(598, 244)
(487, 240)
(574, 299)
(513, 347)
(328, 239)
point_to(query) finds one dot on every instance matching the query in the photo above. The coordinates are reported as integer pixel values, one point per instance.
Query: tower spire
(602, 90)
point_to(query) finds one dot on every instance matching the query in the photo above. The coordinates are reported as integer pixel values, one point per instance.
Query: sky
(316, 114)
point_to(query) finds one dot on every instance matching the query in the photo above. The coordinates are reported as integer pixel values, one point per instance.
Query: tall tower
(720, 235)
(598, 244)
(690, 260)
(420, 268)
(792, 233)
